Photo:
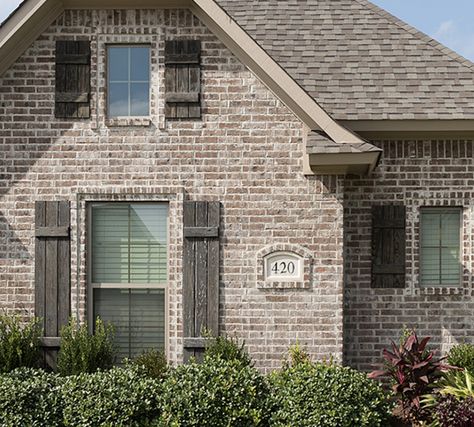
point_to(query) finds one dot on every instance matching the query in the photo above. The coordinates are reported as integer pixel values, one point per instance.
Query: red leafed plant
(413, 369)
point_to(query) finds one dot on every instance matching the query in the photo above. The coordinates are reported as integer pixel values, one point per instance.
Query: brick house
(279, 171)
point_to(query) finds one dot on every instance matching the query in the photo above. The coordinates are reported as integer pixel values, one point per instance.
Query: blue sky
(449, 21)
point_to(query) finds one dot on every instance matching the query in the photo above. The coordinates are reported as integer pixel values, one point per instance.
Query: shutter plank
(170, 87)
(51, 303)
(51, 278)
(182, 86)
(185, 97)
(40, 264)
(64, 267)
(188, 279)
(195, 232)
(201, 272)
(213, 271)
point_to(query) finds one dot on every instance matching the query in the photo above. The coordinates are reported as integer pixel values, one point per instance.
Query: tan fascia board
(27, 24)
(425, 126)
(126, 4)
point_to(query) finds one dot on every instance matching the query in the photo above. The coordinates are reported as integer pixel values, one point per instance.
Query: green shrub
(19, 344)
(81, 352)
(30, 397)
(153, 363)
(307, 394)
(227, 348)
(462, 356)
(215, 393)
(117, 397)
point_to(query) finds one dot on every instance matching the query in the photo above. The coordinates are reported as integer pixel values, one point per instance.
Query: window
(440, 246)
(129, 272)
(128, 81)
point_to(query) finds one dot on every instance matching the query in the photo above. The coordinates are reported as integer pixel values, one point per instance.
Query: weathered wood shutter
(73, 85)
(52, 271)
(200, 275)
(388, 246)
(183, 79)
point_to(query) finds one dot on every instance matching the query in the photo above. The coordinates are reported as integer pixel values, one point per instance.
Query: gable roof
(358, 61)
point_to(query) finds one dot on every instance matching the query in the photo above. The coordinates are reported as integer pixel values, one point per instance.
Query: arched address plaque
(284, 267)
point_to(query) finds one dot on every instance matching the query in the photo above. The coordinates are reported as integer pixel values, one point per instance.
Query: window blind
(138, 316)
(129, 243)
(440, 247)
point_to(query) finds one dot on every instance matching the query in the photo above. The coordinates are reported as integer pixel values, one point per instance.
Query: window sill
(441, 290)
(128, 121)
(282, 285)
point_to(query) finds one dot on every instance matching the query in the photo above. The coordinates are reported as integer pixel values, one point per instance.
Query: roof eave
(342, 164)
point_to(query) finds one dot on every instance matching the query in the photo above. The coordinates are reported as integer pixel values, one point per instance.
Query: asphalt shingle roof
(320, 143)
(358, 61)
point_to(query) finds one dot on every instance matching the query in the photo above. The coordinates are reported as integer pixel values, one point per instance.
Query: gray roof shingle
(320, 143)
(358, 61)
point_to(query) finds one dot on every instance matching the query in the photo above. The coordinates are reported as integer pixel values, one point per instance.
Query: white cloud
(445, 28)
(458, 39)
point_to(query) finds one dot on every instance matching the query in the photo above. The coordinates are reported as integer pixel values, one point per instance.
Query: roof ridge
(420, 34)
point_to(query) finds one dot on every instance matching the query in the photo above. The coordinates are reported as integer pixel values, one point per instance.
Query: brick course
(246, 152)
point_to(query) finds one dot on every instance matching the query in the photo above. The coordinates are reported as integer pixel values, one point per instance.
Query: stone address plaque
(284, 266)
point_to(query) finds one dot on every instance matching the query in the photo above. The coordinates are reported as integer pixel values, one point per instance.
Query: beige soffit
(34, 16)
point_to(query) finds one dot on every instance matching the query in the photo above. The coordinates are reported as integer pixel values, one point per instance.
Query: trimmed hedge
(217, 393)
(30, 397)
(309, 394)
(223, 391)
(119, 397)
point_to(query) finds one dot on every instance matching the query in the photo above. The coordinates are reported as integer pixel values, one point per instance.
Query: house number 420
(283, 267)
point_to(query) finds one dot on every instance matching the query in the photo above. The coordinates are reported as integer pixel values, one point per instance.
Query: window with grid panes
(128, 77)
(440, 262)
(129, 272)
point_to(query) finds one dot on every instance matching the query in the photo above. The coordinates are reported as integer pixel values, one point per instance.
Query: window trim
(440, 210)
(90, 286)
(129, 82)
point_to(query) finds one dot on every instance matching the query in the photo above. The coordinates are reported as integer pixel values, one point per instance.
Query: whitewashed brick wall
(246, 153)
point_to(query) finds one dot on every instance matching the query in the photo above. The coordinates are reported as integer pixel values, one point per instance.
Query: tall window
(128, 81)
(129, 271)
(440, 246)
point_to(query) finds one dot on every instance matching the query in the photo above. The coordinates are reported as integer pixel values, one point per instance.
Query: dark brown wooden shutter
(52, 271)
(388, 246)
(183, 79)
(73, 86)
(200, 275)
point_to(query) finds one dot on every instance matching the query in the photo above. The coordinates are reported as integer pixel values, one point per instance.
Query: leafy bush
(462, 356)
(413, 369)
(228, 349)
(19, 344)
(153, 363)
(118, 397)
(454, 392)
(81, 352)
(215, 393)
(453, 412)
(30, 397)
(307, 394)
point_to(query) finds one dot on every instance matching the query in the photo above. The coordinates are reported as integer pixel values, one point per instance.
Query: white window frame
(129, 82)
(441, 210)
(91, 286)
